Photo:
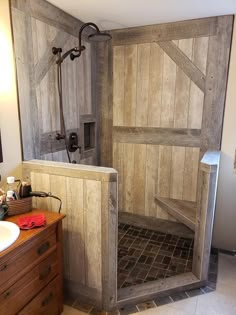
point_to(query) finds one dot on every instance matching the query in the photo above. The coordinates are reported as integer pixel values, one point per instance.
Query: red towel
(30, 222)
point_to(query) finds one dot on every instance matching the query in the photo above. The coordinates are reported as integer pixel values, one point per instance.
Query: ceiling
(116, 14)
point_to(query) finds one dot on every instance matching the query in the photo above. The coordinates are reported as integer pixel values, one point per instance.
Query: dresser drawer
(46, 302)
(21, 260)
(15, 298)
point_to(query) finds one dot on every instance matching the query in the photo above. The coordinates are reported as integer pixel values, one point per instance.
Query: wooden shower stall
(155, 96)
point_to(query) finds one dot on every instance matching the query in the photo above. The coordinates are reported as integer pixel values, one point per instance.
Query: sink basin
(9, 233)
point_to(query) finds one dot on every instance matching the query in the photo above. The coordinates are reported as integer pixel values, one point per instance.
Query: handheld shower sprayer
(75, 52)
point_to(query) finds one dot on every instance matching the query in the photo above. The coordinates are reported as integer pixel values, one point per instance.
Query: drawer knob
(7, 294)
(45, 273)
(43, 248)
(47, 299)
(4, 267)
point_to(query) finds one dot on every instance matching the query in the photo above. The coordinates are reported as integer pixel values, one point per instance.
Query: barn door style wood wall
(37, 27)
(169, 84)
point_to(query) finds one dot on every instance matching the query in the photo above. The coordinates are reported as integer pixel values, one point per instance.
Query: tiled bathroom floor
(146, 255)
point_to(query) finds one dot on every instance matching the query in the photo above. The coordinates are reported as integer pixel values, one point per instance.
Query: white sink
(9, 233)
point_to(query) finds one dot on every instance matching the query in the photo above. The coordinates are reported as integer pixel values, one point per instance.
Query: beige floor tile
(216, 304)
(184, 307)
(71, 311)
(226, 271)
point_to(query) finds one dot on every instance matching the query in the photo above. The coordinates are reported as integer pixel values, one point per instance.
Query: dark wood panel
(159, 136)
(168, 31)
(184, 63)
(104, 101)
(216, 82)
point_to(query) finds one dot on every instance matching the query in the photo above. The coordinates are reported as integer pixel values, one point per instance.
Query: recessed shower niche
(145, 105)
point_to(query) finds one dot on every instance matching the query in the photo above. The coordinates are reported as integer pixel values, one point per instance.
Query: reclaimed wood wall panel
(37, 28)
(89, 201)
(161, 81)
(149, 170)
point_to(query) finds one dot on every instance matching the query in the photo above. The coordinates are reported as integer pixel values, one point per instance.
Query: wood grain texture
(90, 227)
(184, 211)
(168, 31)
(35, 32)
(49, 14)
(109, 217)
(48, 58)
(105, 99)
(206, 199)
(22, 33)
(70, 170)
(155, 85)
(127, 180)
(131, 54)
(184, 63)
(217, 70)
(155, 224)
(147, 291)
(160, 136)
(182, 88)
(171, 79)
(142, 82)
(139, 178)
(118, 85)
(168, 93)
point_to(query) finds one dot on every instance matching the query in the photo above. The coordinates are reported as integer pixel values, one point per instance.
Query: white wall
(9, 118)
(225, 220)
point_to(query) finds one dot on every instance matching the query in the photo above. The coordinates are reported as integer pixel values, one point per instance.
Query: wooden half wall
(89, 201)
(37, 27)
(165, 108)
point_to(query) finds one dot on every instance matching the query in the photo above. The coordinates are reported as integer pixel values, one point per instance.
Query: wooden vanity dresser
(31, 270)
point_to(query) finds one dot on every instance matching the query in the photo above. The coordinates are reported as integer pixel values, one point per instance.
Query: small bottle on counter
(11, 189)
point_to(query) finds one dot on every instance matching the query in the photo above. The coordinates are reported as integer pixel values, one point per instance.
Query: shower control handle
(73, 144)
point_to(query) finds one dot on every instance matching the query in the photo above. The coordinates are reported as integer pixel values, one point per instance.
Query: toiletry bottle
(11, 189)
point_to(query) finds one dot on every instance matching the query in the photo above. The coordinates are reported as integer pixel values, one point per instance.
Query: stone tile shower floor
(145, 255)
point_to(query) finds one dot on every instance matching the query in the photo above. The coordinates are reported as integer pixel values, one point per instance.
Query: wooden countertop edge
(26, 235)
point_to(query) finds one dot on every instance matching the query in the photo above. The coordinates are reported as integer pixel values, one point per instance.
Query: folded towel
(30, 222)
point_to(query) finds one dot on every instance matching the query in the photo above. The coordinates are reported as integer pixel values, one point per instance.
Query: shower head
(99, 37)
(75, 52)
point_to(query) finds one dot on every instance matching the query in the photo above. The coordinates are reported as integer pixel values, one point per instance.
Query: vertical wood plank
(168, 92)
(182, 89)
(216, 80)
(128, 184)
(164, 174)
(118, 85)
(151, 180)
(23, 43)
(104, 101)
(177, 172)
(109, 244)
(74, 229)
(196, 97)
(118, 164)
(139, 178)
(190, 174)
(155, 85)
(142, 84)
(92, 208)
(130, 75)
